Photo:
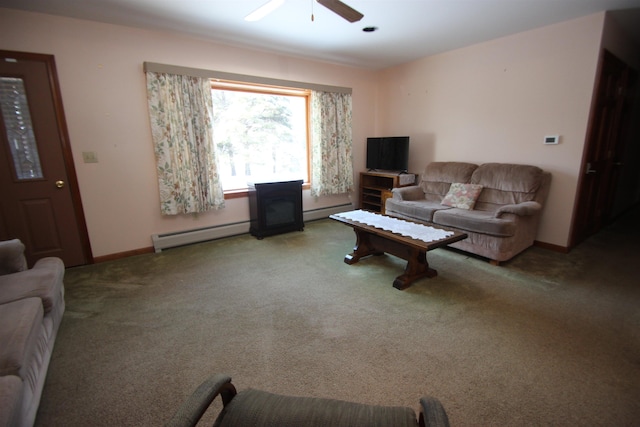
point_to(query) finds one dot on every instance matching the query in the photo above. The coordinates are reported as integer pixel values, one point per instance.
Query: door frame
(72, 178)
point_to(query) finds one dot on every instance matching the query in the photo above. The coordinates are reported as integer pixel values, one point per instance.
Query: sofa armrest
(43, 281)
(12, 258)
(413, 192)
(520, 209)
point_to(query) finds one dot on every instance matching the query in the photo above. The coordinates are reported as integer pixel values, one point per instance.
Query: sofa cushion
(505, 184)
(483, 222)
(44, 281)
(438, 176)
(462, 196)
(12, 256)
(10, 400)
(260, 408)
(421, 210)
(21, 327)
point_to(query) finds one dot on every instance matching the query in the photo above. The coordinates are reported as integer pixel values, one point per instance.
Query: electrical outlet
(89, 157)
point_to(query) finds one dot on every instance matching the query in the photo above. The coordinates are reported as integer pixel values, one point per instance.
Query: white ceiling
(407, 29)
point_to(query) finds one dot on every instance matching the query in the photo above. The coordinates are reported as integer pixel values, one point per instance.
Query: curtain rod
(212, 74)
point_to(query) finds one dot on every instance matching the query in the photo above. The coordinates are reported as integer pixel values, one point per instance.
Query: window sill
(236, 194)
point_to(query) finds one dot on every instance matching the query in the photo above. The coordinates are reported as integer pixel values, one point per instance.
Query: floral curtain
(331, 143)
(181, 111)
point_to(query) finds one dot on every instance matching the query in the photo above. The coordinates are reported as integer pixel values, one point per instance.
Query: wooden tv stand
(375, 188)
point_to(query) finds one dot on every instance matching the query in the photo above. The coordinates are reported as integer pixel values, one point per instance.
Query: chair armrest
(196, 405)
(12, 258)
(432, 413)
(413, 192)
(520, 209)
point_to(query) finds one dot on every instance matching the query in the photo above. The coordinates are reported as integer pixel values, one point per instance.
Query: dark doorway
(604, 150)
(40, 200)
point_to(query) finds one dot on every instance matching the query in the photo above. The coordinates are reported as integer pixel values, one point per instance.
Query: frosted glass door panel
(20, 136)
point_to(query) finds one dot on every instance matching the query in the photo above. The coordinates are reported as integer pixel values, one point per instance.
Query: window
(262, 138)
(260, 133)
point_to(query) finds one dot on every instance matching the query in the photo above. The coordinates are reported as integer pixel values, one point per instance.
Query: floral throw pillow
(462, 196)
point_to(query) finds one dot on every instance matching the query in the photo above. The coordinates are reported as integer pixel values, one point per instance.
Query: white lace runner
(426, 233)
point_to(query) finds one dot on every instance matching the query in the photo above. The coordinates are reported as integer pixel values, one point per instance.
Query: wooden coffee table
(371, 240)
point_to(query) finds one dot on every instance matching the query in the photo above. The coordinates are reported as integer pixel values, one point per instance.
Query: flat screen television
(388, 153)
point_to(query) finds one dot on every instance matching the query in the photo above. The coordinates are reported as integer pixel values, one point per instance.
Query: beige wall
(495, 102)
(104, 96)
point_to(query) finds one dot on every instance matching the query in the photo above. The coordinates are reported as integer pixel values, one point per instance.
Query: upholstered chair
(255, 408)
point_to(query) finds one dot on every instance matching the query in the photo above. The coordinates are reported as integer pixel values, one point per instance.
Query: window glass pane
(259, 137)
(17, 121)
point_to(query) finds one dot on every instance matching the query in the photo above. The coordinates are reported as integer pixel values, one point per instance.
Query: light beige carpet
(546, 339)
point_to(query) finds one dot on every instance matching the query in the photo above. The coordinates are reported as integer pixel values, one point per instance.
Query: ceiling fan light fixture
(264, 10)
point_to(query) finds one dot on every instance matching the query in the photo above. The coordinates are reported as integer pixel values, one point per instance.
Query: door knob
(59, 184)
(589, 170)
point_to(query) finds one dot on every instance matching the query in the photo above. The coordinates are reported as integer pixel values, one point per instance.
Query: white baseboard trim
(321, 213)
(187, 237)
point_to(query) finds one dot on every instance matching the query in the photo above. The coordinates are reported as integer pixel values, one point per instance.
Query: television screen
(389, 153)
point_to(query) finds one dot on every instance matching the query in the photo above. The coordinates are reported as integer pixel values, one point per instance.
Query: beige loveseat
(504, 219)
(31, 308)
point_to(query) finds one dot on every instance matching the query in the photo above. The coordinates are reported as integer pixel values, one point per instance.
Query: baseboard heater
(187, 237)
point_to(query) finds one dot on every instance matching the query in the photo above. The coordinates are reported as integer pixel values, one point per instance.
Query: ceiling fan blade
(342, 9)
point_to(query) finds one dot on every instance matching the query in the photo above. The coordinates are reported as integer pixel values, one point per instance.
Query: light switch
(89, 157)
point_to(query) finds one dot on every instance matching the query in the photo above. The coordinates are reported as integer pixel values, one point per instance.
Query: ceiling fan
(336, 6)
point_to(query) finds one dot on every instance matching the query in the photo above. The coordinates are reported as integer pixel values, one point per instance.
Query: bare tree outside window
(259, 136)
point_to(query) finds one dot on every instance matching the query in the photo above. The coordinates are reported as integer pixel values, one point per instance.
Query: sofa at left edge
(31, 309)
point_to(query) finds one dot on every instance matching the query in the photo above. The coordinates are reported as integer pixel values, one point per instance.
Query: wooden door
(39, 202)
(602, 161)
